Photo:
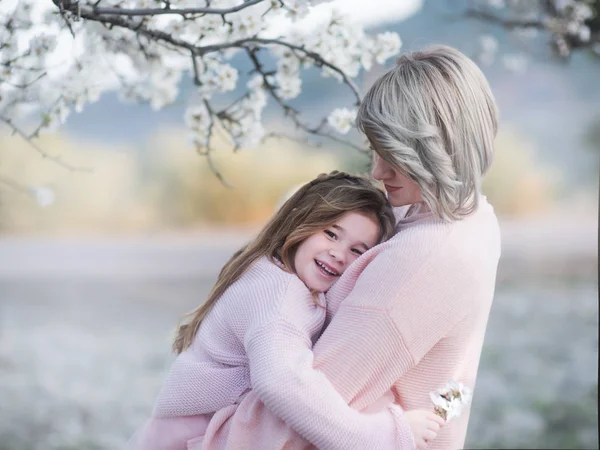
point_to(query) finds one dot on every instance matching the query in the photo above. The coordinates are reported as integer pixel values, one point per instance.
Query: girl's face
(324, 256)
(401, 190)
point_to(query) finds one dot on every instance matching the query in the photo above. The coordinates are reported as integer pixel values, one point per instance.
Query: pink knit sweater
(408, 315)
(259, 335)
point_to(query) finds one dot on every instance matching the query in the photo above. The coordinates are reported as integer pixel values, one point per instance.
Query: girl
(265, 310)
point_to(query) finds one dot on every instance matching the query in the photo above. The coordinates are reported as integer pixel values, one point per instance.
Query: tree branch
(291, 112)
(90, 13)
(167, 10)
(504, 22)
(313, 55)
(44, 155)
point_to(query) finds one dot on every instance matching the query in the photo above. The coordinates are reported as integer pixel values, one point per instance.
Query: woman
(410, 314)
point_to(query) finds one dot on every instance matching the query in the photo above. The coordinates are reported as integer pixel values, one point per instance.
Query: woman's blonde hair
(433, 117)
(314, 207)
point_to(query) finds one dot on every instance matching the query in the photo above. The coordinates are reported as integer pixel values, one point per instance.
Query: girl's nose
(338, 254)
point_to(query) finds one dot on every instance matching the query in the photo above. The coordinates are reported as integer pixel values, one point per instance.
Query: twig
(507, 23)
(44, 155)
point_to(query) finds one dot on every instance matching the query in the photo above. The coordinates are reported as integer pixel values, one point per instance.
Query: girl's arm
(196, 386)
(282, 374)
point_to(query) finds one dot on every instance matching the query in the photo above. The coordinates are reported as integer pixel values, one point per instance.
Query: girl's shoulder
(266, 292)
(266, 279)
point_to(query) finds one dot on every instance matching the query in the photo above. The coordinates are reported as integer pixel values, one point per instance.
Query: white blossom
(196, 116)
(296, 9)
(220, 78)
(583, 33)
(44, 196)
(42, 43)
(98, 59)
(489, 47)
(451, 400)
(245, 25)
(386, 45)
(342, 119)
(515, 62)
(582, 11)
(288, 87)
(498, 4)
(488, 43)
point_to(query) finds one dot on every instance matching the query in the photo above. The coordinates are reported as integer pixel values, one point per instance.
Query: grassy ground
(81, 362)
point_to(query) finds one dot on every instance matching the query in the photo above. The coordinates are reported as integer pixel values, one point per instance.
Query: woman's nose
(379, 169)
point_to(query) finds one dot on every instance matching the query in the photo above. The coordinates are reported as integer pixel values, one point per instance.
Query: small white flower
(223, 78)
(256, 82)
(488, 43)
(515, 63)
(451, 400)
(175, 27)
(498, 4)
(42, 44)
(386, 45)
(288, 86)
(342, 119)
(44, 196)
(296, 9)
(583, 33)
(582, 11)
(197, 116)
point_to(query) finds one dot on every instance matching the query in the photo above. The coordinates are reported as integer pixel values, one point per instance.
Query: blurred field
(85, 330)
(167, 186)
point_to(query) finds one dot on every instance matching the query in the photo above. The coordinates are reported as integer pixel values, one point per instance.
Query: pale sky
(368, 13)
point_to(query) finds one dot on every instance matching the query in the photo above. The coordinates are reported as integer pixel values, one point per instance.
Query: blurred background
(96, 268)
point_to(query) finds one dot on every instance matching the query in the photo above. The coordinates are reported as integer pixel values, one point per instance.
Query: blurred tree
(569, 25)
(592, 137)
(59, 55)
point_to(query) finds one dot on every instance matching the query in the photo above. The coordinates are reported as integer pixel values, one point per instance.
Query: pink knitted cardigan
(256, 336)
(409, 315)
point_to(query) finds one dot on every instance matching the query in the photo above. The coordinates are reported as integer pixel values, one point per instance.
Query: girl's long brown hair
(314, 207)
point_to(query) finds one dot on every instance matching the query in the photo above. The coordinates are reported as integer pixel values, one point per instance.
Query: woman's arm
(397, 311)
(282, 374)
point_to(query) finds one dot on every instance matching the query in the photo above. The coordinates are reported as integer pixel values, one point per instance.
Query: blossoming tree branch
(58, 59)
(56, 56)
(567, 25)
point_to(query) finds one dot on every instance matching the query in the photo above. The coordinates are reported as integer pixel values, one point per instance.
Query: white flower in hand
(450, 400)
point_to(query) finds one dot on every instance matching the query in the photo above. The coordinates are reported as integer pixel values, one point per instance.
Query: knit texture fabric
(259, 335)
(409, 315)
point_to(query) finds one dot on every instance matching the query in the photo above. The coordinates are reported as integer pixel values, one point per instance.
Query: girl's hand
(424, 425)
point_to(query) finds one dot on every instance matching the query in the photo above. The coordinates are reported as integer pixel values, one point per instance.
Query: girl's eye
(357, 251)
(331, 234)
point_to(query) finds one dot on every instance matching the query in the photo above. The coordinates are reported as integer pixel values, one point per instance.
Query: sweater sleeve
(283, 377)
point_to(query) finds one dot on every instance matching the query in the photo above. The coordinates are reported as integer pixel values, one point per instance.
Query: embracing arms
(283, 377)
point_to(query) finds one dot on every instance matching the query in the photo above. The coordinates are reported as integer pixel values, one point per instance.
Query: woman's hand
(424, 426)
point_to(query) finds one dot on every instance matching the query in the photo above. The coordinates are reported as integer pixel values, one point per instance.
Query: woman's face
(401, 190)
(323, 257)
